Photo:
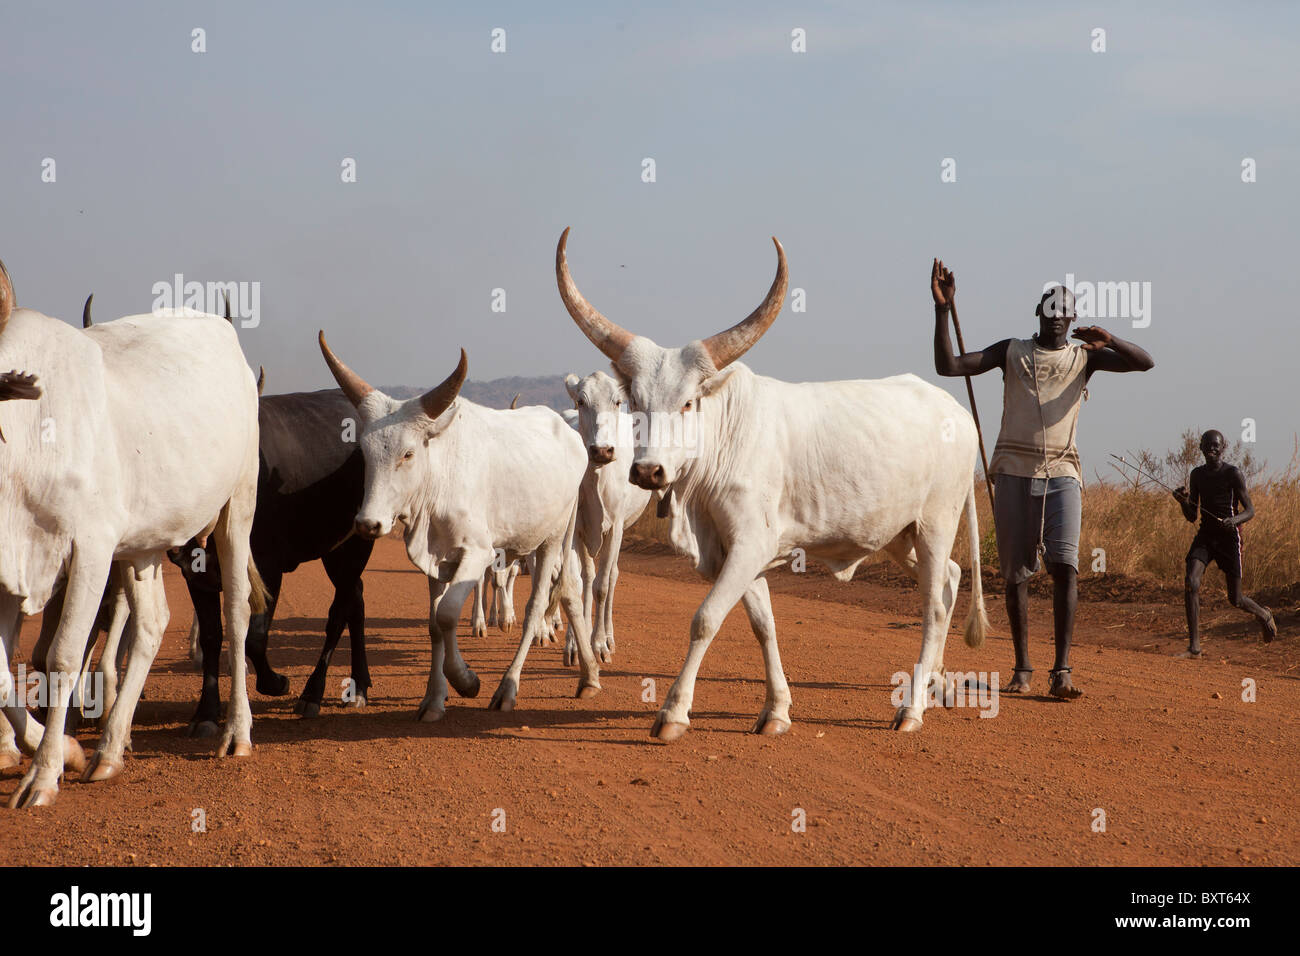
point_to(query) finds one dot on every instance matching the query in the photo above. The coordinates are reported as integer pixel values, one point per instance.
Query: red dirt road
(1184, 770)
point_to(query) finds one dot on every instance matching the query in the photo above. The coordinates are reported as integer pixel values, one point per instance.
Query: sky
(1117, 166)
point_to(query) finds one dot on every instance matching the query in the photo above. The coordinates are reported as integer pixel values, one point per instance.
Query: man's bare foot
(1063, 687)
(1269, 628)
(1019, 682)
(1188, 655)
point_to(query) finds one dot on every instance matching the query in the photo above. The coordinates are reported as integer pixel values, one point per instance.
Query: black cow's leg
(206, 721)
(269, 683)
(351, 562)
(310, 700)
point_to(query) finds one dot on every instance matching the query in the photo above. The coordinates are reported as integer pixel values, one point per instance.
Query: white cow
(758, 467)
(466, 480)
(609, 503)
(495, 595)
(145, 436)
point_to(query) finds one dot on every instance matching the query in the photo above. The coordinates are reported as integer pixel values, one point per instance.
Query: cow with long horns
(145, 435)
(758, 467)
(465, 480)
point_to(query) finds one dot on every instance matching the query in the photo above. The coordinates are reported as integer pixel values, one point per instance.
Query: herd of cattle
(128, 442)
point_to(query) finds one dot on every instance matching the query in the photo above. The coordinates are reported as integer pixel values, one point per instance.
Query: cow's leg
(775, 716)
(269, 683)
(207, 611)
(87, 576)
(23, 731)
(446, 665)
(903, 551)
(938, 597)
(196, 651)
(738, 573)
(232, 530)
(313, 691)
(109, 657)
(602, 630)
(548, 574)
(354, 556)
(477, 620)
(507, 597)
(587, 561)
(143, 584)
(11, 621)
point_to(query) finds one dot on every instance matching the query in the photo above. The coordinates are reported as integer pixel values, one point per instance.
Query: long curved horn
(354, 386)
(725, 347)
(261, 380)
(6, 296)
(514, 402)
(604, 334)
(85, 312)
(438, 400)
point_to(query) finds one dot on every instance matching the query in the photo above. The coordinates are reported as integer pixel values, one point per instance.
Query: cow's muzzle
(600, 454)
(648, 475)
(369, 528)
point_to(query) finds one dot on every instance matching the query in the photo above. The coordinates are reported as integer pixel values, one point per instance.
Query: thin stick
(970, 392)
(1151, 477)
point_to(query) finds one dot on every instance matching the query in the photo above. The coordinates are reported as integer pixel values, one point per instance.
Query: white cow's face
(398, 441)
(664, 386)
(598, 399)
(664, 389)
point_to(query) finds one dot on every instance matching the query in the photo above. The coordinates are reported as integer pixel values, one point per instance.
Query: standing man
(1036, 464)
(1217, 488)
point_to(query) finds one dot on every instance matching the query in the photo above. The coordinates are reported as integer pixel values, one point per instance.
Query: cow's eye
(410, 453)
(687, 406)
(581, 403)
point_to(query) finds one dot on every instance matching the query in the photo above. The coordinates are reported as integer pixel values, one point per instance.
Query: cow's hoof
(468, 687)
(273, 685)
(307, 708)
(587, 690)
(74, 758)
(478, 630)
(99, 769)
(508, 627)
(10, 758)
(359, 700)
(668, 730)
(204, 728)
(770, 726)
(430, 715)
(570, 654)
(504, 698)
(239, 748)
(906, 725)
(27, 797)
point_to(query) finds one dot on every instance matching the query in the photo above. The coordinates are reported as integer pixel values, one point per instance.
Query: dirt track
(1186, 772)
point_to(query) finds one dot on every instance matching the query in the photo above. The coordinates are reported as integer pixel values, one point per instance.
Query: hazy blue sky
(1123, 165)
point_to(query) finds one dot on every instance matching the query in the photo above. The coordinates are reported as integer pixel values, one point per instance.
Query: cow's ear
(716, 380)
(571, 385)
(436, 426)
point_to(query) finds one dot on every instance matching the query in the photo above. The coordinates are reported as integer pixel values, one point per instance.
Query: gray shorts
(1018, 515)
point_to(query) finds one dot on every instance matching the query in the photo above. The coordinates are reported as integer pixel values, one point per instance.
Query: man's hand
(1094, 337)
(943, 285)
(1182, 495)
(18, 385)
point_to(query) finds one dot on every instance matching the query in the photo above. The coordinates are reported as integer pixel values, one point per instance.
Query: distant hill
(539, 390)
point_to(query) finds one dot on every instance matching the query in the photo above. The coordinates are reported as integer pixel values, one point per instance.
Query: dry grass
(1144, 534)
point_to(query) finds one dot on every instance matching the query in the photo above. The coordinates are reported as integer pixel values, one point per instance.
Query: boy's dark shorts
(1222, 549)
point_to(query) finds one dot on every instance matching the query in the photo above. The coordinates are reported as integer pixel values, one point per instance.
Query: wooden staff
(970, 392)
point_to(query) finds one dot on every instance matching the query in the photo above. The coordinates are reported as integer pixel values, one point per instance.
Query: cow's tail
(258, 595)
(565, 578)
(977, 620)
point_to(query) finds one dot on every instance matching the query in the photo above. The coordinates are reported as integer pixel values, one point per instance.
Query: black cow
(310, 483)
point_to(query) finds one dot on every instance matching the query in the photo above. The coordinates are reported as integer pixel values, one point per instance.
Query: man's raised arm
(943, 287)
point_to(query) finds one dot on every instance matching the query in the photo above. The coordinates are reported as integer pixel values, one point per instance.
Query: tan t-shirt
(1026, 431)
